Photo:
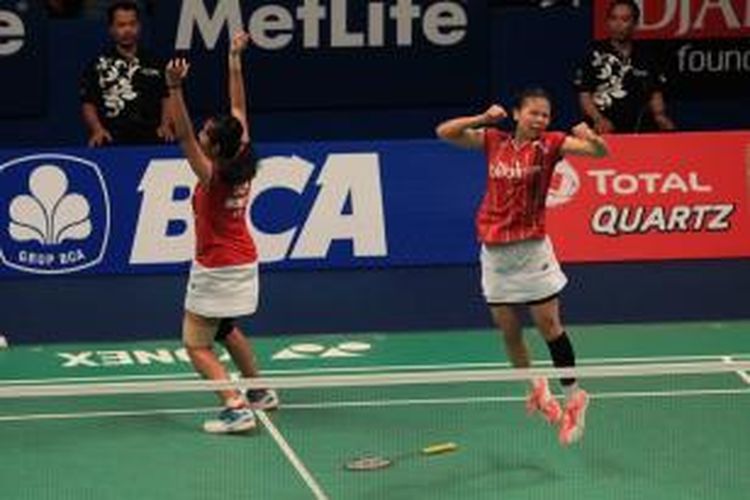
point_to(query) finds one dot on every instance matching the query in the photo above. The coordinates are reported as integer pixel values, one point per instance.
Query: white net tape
(11, 390)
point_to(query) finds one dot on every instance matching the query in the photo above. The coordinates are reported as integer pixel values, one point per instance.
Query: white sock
(569, 390)
(236, 402)
(535, 382)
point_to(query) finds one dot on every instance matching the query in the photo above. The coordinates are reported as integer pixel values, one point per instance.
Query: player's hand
(583, 131)
(603, 126)
(240, 41)
(99, 137)
(495, 113)
(165, 132)
(177, 70)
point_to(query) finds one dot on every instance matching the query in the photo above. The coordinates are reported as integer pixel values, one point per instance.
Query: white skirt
(520, 272)
(222, 292)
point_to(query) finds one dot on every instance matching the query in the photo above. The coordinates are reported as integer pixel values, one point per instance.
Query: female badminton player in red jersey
(223, 280)
(518, 262)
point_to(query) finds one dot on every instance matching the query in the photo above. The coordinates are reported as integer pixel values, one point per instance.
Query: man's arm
(237, 96)
(659, 110)
(166, 127)
(602, 124)
(585, 82)
(98, 134)
(462, 131)
(88, 90)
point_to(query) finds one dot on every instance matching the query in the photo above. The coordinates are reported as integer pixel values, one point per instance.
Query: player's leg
(546, 316)
(239, 348)
(540, 399)
(243, 355)
(198, 336)
(506, 320)
(500, 266)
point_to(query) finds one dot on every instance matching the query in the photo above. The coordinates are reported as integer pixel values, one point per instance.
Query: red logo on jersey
(239, 200)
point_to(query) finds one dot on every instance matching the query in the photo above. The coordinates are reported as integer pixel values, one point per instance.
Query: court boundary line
(108, 414)
(291, 456)
(744, 376)
(369, 404)
(382, 368)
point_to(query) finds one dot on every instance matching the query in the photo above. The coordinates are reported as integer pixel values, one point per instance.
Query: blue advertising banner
(314, 205)
(23, 58)
(322, 54)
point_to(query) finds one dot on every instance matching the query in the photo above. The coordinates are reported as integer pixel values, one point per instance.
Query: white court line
(372, 368)
(743, 375)
(289, 453)
(105, 414)
(104, 378)
(369, 404)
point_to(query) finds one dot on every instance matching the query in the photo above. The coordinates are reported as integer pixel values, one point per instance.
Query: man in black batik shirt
(619, 86)
(124, 97)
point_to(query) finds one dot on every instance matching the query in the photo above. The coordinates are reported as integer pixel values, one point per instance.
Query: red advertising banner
(671, 196)
(680, 19)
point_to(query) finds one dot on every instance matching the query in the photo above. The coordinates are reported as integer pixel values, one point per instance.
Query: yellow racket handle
(434, 449)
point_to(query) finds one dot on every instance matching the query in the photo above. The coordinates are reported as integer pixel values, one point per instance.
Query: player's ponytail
(241, 168)
(236, 160)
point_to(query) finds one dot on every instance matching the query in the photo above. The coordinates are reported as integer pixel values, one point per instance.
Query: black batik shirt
(127, 94)
(621, 87)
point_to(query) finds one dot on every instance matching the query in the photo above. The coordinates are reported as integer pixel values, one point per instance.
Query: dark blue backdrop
(526, 46)
(297, 302)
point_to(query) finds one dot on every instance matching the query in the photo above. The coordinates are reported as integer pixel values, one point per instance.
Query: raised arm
(463, 131)
(237, 96)
(176, 72)
(585, 142)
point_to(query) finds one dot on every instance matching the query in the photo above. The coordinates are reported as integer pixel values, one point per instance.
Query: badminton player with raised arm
(519, 267)
(223, 283)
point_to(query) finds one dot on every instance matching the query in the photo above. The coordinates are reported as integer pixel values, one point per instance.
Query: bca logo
(565, 184)
(54, 214)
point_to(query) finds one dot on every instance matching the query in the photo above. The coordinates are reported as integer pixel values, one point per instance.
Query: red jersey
(221, 234)
(518, 178)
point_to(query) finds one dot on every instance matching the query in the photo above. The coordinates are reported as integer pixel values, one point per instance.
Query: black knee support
(562, 354)
(226, 325)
